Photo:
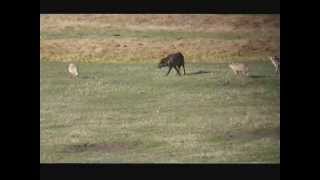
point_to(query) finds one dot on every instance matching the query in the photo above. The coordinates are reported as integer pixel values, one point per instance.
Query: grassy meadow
(122, 109)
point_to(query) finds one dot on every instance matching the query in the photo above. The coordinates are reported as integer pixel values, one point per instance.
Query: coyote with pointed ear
(175, 61)
(275, 60)
(72, 69)
(239, 68)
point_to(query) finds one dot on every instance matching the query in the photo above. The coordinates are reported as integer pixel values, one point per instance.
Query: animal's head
(163, 63)
(274, 58)
(271, 58)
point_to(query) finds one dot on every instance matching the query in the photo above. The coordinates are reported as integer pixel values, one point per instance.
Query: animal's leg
(170, 67)
(241, 73)
(177, 70)
(275, 68)
(184, 70)
(247, 73)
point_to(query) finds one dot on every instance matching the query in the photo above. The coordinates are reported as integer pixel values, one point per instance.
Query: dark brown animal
(175, 61)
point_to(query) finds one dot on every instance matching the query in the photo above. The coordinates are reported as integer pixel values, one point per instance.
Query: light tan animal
(239, 68)
(275, 60)
(72, 69)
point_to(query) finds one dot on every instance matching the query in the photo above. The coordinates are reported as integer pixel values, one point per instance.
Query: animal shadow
(198, 72)
(257, 76)
(87, 77)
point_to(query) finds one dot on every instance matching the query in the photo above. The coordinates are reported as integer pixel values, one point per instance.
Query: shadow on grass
(257, 76)
(78, 148)
(86, 77)
(198, 72)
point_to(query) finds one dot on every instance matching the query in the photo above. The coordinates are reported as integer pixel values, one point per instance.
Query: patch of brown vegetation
(115, 49)
(186, 22)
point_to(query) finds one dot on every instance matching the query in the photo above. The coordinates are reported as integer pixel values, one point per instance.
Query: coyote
(73, 70)
(239, 68)
(276, 62)
(175, 60)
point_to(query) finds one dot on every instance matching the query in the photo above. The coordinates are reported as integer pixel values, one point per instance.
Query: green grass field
(132, 113)
(123, 109)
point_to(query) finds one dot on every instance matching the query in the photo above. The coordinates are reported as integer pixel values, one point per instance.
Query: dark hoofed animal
(175, 61)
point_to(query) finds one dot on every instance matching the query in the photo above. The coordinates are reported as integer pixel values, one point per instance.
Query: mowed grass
(132, 113)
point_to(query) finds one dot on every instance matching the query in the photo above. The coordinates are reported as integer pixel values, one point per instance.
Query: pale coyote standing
(276, 62)
(72, 68)
(239, 68)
